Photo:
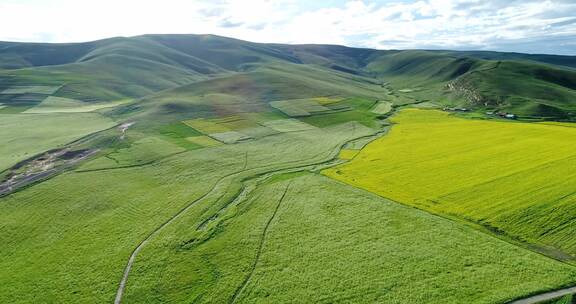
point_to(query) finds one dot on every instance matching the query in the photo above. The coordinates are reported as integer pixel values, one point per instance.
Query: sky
(528, 26)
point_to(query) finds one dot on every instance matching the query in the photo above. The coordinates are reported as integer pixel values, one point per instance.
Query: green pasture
(25, 135)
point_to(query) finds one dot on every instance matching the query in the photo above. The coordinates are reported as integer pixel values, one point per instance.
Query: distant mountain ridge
(531, 85)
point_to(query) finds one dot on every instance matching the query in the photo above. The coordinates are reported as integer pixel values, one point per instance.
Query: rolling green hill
(535, 86)
(187, 168)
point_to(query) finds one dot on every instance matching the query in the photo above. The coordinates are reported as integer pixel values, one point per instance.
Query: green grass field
(517, 178)
(308, 238)
(45, 223)
(205, 180)
(25, 135)
(66, 105)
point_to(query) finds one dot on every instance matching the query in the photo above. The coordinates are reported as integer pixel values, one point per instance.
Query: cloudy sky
(531, 26)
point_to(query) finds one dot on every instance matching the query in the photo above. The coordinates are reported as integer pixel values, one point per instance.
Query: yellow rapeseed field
(517, 177)
(347, 154)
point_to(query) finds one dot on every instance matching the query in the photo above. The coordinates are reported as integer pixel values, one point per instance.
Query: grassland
(46, 90)
(514, 178)
(304, 237)
(216, 178)
(24, 135)
(54, 104)
(359, 110)
(64, 244)
(382, 107)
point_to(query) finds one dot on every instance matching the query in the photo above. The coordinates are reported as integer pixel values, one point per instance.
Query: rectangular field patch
(204, 141)
(327, 100)
(206, 126)
(299, 107)
(235, 122)
(288, 125)
(258, 132)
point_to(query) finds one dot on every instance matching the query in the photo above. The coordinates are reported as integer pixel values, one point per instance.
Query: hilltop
(532, 86)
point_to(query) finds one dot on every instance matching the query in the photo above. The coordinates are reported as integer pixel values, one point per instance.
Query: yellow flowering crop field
(516, 178)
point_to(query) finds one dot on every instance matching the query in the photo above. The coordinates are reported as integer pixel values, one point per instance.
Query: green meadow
(308, 238)
(25, 135)
(205, 169)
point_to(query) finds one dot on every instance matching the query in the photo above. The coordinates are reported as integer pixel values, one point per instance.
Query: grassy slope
(182, 77)
(559, 60)
(515, 177)
(531, 85)
(249, 92)
(62, 243)
(526, 88)
(24, 135)
(326, 242)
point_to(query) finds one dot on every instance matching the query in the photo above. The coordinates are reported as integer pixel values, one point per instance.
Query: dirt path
(546, 296)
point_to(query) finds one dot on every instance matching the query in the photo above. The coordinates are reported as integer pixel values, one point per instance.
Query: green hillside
(150, 63)
(188, 168)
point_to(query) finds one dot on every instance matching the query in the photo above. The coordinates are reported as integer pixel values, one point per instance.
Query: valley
(205, 169)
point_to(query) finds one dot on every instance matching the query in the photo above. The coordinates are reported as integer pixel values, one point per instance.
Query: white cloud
(480, 24)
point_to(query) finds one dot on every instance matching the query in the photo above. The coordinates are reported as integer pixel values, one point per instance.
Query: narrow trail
(547, 296)
(247, 279)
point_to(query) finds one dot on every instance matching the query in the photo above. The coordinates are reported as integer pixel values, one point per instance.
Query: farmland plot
(229, 137)
(204, 141)
(288, 125)
(54, 104)
(70, 245)
(305, 237)
(305, 107)
(516, 178)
